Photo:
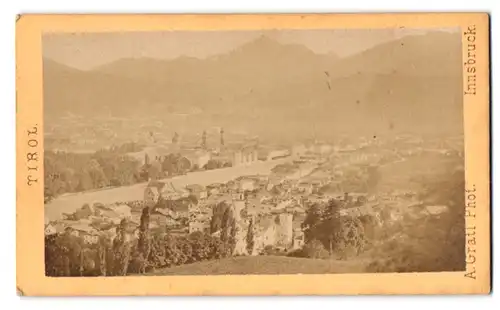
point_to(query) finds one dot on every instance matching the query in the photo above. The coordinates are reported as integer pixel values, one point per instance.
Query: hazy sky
(88, 50)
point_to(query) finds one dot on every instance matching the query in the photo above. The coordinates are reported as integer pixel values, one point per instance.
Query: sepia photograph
(253, 152)
(275, 151)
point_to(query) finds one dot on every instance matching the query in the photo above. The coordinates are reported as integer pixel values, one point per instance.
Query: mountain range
(410, 84)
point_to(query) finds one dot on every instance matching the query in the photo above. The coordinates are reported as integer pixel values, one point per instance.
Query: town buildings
(274, 202)
(244, 156)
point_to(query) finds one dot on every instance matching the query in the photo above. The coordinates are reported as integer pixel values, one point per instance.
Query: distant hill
(434, 54)
(411, 84)
(259, 61)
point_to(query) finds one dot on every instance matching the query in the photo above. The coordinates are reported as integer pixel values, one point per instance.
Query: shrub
(315, 249)
(297, 253)
(137, 263)
(423, 246)
(349, 240)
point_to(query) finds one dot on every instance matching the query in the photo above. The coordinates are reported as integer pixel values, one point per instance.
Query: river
(68, 203)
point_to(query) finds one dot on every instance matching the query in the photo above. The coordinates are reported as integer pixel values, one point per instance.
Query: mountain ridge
(263, 80)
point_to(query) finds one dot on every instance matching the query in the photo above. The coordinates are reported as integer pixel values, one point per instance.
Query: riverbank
(71, 202)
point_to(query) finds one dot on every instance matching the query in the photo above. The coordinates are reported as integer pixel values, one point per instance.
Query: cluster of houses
(276, 220)
(270, 202)
(275, 210)
(274, 205)
(93, 222)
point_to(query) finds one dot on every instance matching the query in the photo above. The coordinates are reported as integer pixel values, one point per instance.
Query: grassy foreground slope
(264, 265)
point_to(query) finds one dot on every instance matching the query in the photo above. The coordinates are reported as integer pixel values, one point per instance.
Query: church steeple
(222, 137)
(204, 140)
(175, 139)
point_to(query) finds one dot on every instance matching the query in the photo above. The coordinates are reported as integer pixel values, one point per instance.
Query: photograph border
(31, 279)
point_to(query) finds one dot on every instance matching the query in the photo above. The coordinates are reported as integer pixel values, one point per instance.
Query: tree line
(328, 234)
(67, 172)
(174, 164)
(432, 243)
(68, 255)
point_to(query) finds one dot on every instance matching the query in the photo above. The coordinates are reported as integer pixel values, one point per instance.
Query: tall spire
(175, 139)
(204, 140)
(222, 137)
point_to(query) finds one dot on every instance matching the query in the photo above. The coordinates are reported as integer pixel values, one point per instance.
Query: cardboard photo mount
(31, 279)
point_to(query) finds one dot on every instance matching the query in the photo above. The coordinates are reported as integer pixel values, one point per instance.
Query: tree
(444, 235)
(200, 244)
(186, 250)
(212, 164)
(216, 248)
(313, 218)
(173, 254)
(154, 170)
(69, 180)
(121, 170)
(144, 242)
(315, 249)
(169, 164)
(218, 212)
(183, 165)
(226, 225)
(157, 256)
(121, 250)
(228, 231)
(69, 172)
(97, 176)
(48, 194)
(53, 182)
(84, 181)
(332, 209)
(250, 238)
(232, 236)
(103, 255)
(331, 222)
(143, 173)
(349, 237)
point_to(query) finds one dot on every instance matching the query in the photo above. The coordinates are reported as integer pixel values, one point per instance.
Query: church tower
(222, 138)
(204, 140)
(175, 139)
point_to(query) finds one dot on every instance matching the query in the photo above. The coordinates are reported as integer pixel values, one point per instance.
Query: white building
(285, 229)
(50, 229)
(298, 239)
(238, 204)
(244, 156)
(248, 185)
(265, 235)
(195, 226)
